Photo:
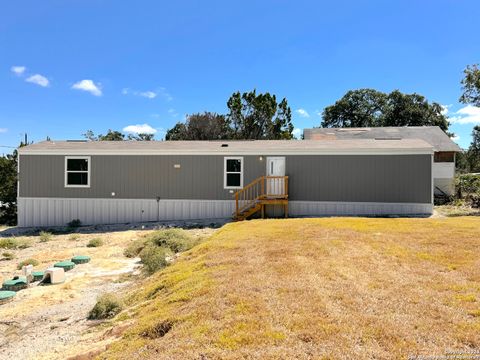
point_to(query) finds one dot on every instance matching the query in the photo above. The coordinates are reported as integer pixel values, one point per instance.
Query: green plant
(176, 240)
(74, 237)
(45, 236)
(27, 262)
(14, 243)
(96, 242)
(134, 248)
(8, 256)
(107, 306)
(75, 223)
(154, 258)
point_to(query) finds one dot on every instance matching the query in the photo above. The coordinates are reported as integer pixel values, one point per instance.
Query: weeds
(27, 262)
(8, 256)
(154, 258)
(45, 236)
(107, 306)
(13, 243)
(96, 242)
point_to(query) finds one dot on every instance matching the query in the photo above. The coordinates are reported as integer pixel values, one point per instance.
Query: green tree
(259, 116)
(370, 108)
(113, 135)
(473, 153)
(201, 126)
(471, 85)
(8, 188)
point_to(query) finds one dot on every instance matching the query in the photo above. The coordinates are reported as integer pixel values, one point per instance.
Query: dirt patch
(49, 322)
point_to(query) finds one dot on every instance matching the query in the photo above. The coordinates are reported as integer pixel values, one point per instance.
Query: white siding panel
(443, 170)
(58, 211)
(325, 208)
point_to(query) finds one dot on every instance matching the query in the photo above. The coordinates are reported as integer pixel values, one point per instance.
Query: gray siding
(349, 178)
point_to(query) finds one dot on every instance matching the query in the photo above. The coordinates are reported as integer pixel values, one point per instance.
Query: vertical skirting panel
(59, 211)
(324, 208)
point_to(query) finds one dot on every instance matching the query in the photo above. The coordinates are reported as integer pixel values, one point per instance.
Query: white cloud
(89, 86)
(18, 70)
(139, 129)
(467, 115)
(3, 130)
(445, 109)
(297, 133)
(148, 94)
(455, 137)
(302, 113)
(162, 92)
(38, 79)
(318, 112)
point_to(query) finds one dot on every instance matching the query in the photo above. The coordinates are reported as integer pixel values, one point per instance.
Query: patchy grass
(461, 209)
(313, 288)
(21, 264)
(95, 242)
(14, 243)
(107, 306)
(45, 236)
(8, 256)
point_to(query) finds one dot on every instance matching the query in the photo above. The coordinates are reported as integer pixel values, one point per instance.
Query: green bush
(134, 248)
(176, 240)
(45, 236)
(13, 243)
(74, 237)
(27, 262)
(96, 242)
(154, 258)
(107, 306)
(75, 223)
(8, 256)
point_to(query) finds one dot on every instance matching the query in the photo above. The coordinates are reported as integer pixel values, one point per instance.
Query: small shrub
(74, 237)
(96, 242)
(27, 262)
(13, 243)
(8, 256)
(176, 240)
(107, 306)
(75, 223)
(45, 236)
(134, 248)
(154, 258)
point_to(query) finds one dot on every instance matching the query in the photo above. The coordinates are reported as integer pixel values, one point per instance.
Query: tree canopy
(201, 126)
(471, 86)
(370, 108)
(250, 116)
(113, 135)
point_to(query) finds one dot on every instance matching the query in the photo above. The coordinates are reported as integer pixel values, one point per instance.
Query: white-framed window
(77, 171)
(233, 172)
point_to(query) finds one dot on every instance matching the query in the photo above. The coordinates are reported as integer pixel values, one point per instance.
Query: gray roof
(431, 134)
(260, 147)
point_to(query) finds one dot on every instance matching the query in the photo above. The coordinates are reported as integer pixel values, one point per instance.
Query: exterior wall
(318, 185)
(443, 177)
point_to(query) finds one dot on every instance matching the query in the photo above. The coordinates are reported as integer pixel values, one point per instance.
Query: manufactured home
(444, 148)
(105, 182)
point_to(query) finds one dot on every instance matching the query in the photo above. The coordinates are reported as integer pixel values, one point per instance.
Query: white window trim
(225, 172)
(88, 171)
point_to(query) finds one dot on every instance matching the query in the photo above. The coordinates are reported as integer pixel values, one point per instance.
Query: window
(443, 156)
(77, 171)
(233, 174)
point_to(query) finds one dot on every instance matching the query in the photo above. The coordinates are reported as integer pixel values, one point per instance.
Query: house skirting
(34, 212)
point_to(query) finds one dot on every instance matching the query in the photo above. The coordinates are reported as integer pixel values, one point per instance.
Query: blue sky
(70, 66)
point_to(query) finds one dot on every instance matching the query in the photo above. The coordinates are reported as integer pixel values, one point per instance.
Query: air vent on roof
(224, 145)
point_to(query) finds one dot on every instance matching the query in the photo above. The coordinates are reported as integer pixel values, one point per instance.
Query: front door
(275, 176)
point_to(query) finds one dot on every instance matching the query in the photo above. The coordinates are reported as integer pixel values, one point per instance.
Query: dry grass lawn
(332, 288)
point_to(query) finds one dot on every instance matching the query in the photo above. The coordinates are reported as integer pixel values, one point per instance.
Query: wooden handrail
(275, 187)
